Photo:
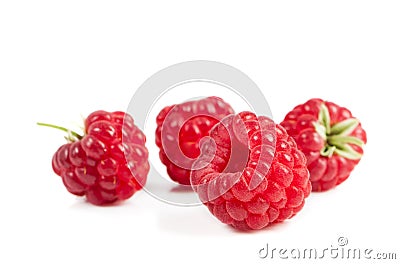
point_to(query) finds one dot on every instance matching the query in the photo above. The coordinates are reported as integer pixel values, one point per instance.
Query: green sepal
(324, 118)
(345, 127)
(337, 139)
(348, 152)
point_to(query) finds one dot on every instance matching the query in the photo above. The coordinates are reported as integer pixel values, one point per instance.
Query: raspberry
(330, 137)
(107, 164)
(257, 175)
(180, 128)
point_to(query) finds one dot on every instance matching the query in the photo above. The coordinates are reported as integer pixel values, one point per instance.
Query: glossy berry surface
(108, 163)
(252, 173)
(180, 128)
(330, 137)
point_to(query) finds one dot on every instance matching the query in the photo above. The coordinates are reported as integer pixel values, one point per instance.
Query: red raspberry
(257, 175)
(180, 128)
(330, 137)
(100, 163)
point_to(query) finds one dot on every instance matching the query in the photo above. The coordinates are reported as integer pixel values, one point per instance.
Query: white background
(60, 59)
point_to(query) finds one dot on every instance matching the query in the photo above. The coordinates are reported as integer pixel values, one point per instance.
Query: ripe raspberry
(257, 175)
(330, 137)
(100, 164)
(179, 130)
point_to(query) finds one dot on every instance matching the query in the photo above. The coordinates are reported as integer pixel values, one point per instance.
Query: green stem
(328, 151)
(73, 133)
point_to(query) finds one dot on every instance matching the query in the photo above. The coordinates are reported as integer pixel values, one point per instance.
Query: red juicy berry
(109, 163)
(330, 137)
(179, 130)
(257, 175)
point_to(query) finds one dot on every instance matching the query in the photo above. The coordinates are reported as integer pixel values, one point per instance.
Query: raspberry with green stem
(108, 163)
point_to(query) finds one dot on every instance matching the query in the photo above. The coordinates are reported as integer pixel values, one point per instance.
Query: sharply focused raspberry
(179, 130)
(330, 137)
(257, 175)
(107, 164)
